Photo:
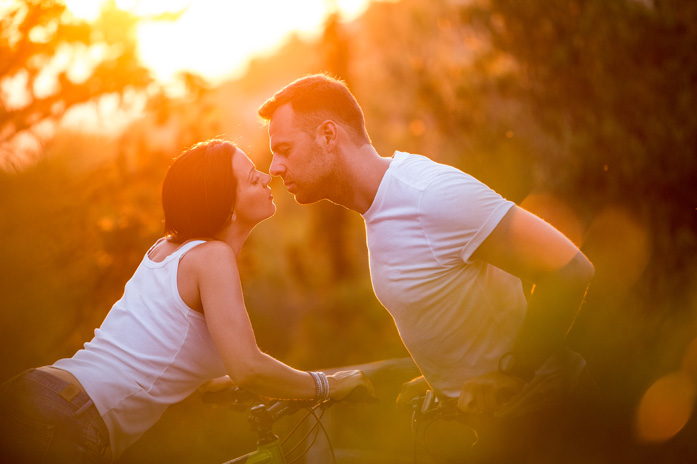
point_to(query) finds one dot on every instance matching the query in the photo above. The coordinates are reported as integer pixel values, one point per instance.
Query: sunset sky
(216, 38)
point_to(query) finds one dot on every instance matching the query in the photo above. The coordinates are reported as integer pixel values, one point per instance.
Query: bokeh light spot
(417, 127)
(665, 408)
(618, 245)
(557, 213)
(689, 361)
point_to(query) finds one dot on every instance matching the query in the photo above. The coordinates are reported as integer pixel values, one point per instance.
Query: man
(447, 255)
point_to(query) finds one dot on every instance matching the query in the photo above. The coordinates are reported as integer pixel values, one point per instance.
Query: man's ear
(328, 133)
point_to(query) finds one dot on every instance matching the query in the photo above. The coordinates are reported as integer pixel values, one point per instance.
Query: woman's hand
(342, 383)
(217, 384)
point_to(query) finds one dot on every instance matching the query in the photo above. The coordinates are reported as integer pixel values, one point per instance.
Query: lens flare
(689, 361)
(665, 408)
(557, 213)
(618, 245)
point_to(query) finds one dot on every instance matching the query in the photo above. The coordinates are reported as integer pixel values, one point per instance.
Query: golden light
(665, 408)
(618, 245)
(689, 361)
(217, 39)
(557, 213)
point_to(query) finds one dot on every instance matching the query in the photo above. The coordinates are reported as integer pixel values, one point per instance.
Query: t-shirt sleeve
(458, 213)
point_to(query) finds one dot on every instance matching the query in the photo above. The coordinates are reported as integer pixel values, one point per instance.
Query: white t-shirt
(456, 316)
(151, 351)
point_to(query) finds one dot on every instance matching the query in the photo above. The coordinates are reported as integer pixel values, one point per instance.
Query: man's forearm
(552, 308)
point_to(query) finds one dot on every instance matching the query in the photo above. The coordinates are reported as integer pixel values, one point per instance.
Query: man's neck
(361, 177)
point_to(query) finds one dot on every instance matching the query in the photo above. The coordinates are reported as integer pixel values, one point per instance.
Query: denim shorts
(44, 419)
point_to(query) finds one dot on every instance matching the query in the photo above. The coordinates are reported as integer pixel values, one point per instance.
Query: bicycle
(264, 413)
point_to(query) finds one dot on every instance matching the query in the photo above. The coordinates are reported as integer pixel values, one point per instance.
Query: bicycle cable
(326, 435)
(318, 421)
(297, 425)
(303, 439)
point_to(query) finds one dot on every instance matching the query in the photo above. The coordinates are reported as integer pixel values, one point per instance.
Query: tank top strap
(154, 245)
(177, 255)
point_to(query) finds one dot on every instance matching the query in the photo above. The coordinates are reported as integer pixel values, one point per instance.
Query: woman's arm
(214, 268)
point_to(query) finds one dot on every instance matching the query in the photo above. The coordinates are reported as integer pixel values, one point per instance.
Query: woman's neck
(234, 235)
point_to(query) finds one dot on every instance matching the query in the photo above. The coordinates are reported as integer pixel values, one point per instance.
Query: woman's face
(254, 200)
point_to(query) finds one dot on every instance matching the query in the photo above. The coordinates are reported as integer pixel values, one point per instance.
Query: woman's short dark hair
(317, 97)
(199, 191)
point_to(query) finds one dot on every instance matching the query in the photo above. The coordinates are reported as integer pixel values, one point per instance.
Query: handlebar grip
(233, 395)
(360, 394)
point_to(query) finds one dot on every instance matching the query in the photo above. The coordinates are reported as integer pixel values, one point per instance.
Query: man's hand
(488, 392)
(410, 390)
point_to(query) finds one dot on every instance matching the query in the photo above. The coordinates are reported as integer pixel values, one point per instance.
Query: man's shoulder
(421, 172)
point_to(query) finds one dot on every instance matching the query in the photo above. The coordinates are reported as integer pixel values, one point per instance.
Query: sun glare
(216, 39)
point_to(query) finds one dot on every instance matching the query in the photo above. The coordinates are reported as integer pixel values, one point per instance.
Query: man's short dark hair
(318, 97)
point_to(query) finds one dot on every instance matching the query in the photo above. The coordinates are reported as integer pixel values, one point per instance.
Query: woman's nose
(265, 179)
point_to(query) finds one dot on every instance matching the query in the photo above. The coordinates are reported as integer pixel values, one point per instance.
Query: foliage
(613, 82)
(50, 62)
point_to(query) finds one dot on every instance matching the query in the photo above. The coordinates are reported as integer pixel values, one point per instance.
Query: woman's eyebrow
(251, 171)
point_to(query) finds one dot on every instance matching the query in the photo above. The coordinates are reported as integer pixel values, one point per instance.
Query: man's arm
(524, 245)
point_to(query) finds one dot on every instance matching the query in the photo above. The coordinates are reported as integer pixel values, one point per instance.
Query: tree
(614, 84)
(51, 62)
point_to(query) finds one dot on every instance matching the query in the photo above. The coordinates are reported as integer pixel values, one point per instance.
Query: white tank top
(151, 351)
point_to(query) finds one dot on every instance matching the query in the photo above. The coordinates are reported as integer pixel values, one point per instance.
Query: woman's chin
(270, 214)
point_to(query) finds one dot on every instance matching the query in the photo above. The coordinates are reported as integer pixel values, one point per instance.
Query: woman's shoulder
(211, 253)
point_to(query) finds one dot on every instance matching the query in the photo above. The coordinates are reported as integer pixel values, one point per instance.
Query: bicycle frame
(269, 453)
(262, 418)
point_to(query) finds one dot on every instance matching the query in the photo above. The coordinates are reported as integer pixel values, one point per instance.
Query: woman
(181, 322)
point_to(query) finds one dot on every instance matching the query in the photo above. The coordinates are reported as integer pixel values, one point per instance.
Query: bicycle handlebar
(359, 394)
(232, 396)
(238, 398)
(429, 405)
(264, 412)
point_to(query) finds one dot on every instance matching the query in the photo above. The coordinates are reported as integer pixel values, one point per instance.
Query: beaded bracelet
(321, 385)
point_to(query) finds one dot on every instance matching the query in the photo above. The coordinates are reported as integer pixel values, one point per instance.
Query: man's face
(297, 157)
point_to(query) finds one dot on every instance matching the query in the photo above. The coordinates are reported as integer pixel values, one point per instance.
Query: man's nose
(276, 168)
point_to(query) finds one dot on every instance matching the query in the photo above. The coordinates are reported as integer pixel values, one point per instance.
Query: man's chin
(304, 199)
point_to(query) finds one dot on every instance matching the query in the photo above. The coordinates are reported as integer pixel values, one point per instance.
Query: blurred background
(582, 111)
